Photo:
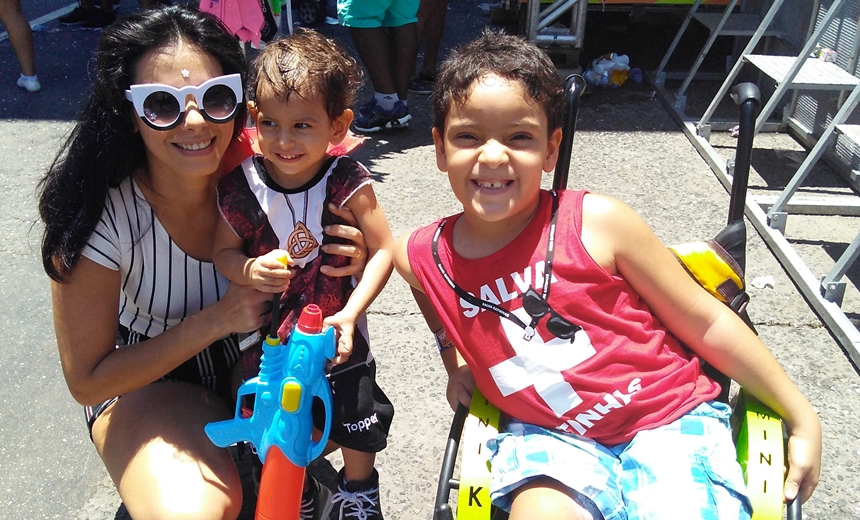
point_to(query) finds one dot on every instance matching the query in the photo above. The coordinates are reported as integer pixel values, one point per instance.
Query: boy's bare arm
(461, 383)
(624, 244)
(401, 262)
(380, 249)
(228, 256)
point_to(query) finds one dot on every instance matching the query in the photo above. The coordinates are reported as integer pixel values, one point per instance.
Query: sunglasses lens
(219, 102)
(534, 304)
(161, 108)
(561, 328)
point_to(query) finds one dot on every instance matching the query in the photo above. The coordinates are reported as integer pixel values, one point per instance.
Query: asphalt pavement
(626, 145)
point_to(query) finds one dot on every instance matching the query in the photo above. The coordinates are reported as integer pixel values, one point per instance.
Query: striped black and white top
(161, 284)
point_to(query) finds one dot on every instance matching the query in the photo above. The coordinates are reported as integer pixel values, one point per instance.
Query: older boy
(569, 315)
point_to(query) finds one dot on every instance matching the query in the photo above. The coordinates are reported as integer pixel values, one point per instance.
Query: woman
(130, 211)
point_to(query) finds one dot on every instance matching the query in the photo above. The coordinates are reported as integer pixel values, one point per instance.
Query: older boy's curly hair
(504, 55)
(307, 64)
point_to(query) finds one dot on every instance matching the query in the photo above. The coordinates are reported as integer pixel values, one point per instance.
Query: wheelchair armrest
(476, 425)
(760, 444)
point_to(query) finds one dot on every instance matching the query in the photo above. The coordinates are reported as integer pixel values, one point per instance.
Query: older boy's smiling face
(495, 149)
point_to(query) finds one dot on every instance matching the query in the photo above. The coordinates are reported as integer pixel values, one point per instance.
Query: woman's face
(194, 147)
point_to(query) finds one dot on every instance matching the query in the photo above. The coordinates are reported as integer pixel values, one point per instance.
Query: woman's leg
(160, 459)
(20, 34)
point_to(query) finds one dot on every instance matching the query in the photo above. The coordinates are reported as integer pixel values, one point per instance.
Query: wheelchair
(758, 431)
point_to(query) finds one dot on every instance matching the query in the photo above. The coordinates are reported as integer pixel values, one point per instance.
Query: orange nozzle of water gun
(281, 484)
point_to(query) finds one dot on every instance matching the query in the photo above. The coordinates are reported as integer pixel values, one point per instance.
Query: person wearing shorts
(385, 34)
(570, 316)
(275, 208)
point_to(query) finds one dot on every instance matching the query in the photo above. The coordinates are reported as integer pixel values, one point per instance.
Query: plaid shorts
(685, 469)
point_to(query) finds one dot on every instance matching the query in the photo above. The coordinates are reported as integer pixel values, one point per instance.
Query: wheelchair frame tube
(442, 509)
(748, 98)
(574, 87)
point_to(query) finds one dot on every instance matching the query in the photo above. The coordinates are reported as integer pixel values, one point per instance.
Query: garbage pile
(611, 71)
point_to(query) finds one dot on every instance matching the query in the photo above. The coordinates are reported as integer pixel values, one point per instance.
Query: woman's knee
(163, 482)
(153, 445)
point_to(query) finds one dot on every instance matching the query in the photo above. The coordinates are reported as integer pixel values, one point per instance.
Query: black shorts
(212, 368)
(362, 413)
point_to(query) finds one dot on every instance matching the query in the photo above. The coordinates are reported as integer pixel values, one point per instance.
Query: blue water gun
(281, 426)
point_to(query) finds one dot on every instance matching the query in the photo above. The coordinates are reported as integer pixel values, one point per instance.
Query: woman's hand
(356, 251)
(242, 309)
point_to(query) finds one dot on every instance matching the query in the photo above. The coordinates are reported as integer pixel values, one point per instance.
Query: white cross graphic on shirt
(540, 364)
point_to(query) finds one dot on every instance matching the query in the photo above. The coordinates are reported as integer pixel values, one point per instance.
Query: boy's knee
(546, 498)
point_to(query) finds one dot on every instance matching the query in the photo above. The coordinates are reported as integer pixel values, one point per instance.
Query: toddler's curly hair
(307, 64)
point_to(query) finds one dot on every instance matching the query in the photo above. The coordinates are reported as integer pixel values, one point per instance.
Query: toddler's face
(495, 149)
(293, 136)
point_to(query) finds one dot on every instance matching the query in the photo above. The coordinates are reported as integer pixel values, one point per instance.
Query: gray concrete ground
(626, 145)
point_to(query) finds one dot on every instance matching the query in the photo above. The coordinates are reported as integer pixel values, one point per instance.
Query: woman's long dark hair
(103, 149)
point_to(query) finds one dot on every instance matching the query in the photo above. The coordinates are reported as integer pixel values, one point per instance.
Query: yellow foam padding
(760, 451)
(706, 266)
(482, 424)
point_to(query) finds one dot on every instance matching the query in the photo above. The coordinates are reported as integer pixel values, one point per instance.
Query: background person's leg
(20, 35)
(405, 48)
(373, 46)
(430, 28)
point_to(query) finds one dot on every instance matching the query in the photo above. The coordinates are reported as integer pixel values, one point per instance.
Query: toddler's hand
(344, 325)
(270, 273)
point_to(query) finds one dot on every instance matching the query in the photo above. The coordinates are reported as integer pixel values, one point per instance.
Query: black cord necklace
(536, 305)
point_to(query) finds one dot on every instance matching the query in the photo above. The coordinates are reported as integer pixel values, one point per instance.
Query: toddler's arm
(380, 249)
(268, 273)
(622, 243)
